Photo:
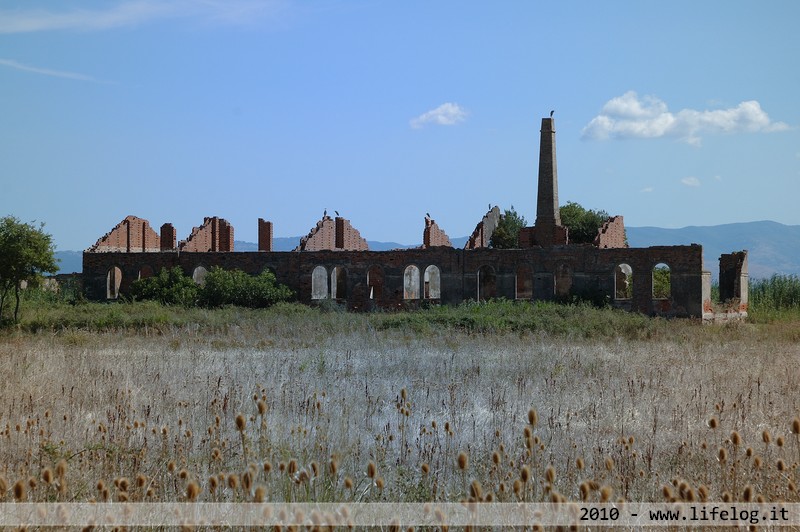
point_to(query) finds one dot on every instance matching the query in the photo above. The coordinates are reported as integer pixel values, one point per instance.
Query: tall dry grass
(311, 409)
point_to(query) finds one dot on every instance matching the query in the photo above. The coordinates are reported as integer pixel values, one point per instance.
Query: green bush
(235, 287)
(169, 287)
(220, 287)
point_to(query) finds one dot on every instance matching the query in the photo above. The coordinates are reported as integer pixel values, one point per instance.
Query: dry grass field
(313, 406)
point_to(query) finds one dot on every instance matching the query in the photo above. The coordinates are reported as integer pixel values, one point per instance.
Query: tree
(506, 234)
(582, 223)
(26, 252)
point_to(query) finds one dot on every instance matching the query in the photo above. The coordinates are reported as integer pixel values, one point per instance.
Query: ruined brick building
(334, 262)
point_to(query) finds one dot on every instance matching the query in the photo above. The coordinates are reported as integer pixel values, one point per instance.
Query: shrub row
(219, 288)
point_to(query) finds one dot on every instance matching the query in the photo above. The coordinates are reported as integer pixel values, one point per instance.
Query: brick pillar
(214, 234)
(168, 238)
(547, 213)
(339, 233)
(145, 227)
(264, 235)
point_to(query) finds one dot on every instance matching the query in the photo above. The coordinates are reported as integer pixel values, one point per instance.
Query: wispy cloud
(447, 114)
(631, 116)
(48, 72)
(128, 13)
(647, 190)
(691, 181)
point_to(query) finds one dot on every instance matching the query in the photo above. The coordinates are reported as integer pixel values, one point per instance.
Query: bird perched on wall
(428, 214)
(325, 213)
(337, 213)
(551, 113)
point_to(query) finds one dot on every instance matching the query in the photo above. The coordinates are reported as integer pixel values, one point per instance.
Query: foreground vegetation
(499, 401)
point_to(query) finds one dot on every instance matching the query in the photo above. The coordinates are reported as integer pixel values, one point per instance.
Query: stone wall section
(611, 234)
(560, 271)
(482, 234)
(215, 234)
(132, 234)
(434, 236)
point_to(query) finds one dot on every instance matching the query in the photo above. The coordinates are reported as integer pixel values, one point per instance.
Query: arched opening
(411, 282)
(662, 282)
(375, 283)
(338, 283)
(113, 282)
(487, 283)
(623, 281)
(563, 280)
(199, 275)
(319, 283)
(524, 282)
(145, 272)
(433, 283)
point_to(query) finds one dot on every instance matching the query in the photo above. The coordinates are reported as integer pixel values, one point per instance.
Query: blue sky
(669, 113)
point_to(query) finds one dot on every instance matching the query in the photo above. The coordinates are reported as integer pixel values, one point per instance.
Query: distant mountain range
(773, 247)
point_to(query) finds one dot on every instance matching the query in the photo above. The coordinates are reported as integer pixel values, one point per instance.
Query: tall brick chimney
(547, 213)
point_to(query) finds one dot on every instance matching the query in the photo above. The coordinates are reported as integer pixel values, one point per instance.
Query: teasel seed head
(525, 474)
(241, 423)
(533, 417)
(462, 461)
(371, 469)
(476, 490)
(722, 455)
(192, 491)
(20, 490)
(550, 474)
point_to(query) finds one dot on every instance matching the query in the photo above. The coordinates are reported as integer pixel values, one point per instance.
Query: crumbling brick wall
(433, 236)
(611, 234)
(133, 234)
(216, 234)
(482, 234)
(334, 235)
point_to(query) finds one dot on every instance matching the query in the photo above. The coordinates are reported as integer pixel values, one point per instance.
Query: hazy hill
(772, 247)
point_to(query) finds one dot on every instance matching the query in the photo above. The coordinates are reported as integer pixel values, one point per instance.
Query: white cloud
(447, 114)
(631, 116)
(690, 181)
(48, 72)
(133, 12)
(647, 190)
